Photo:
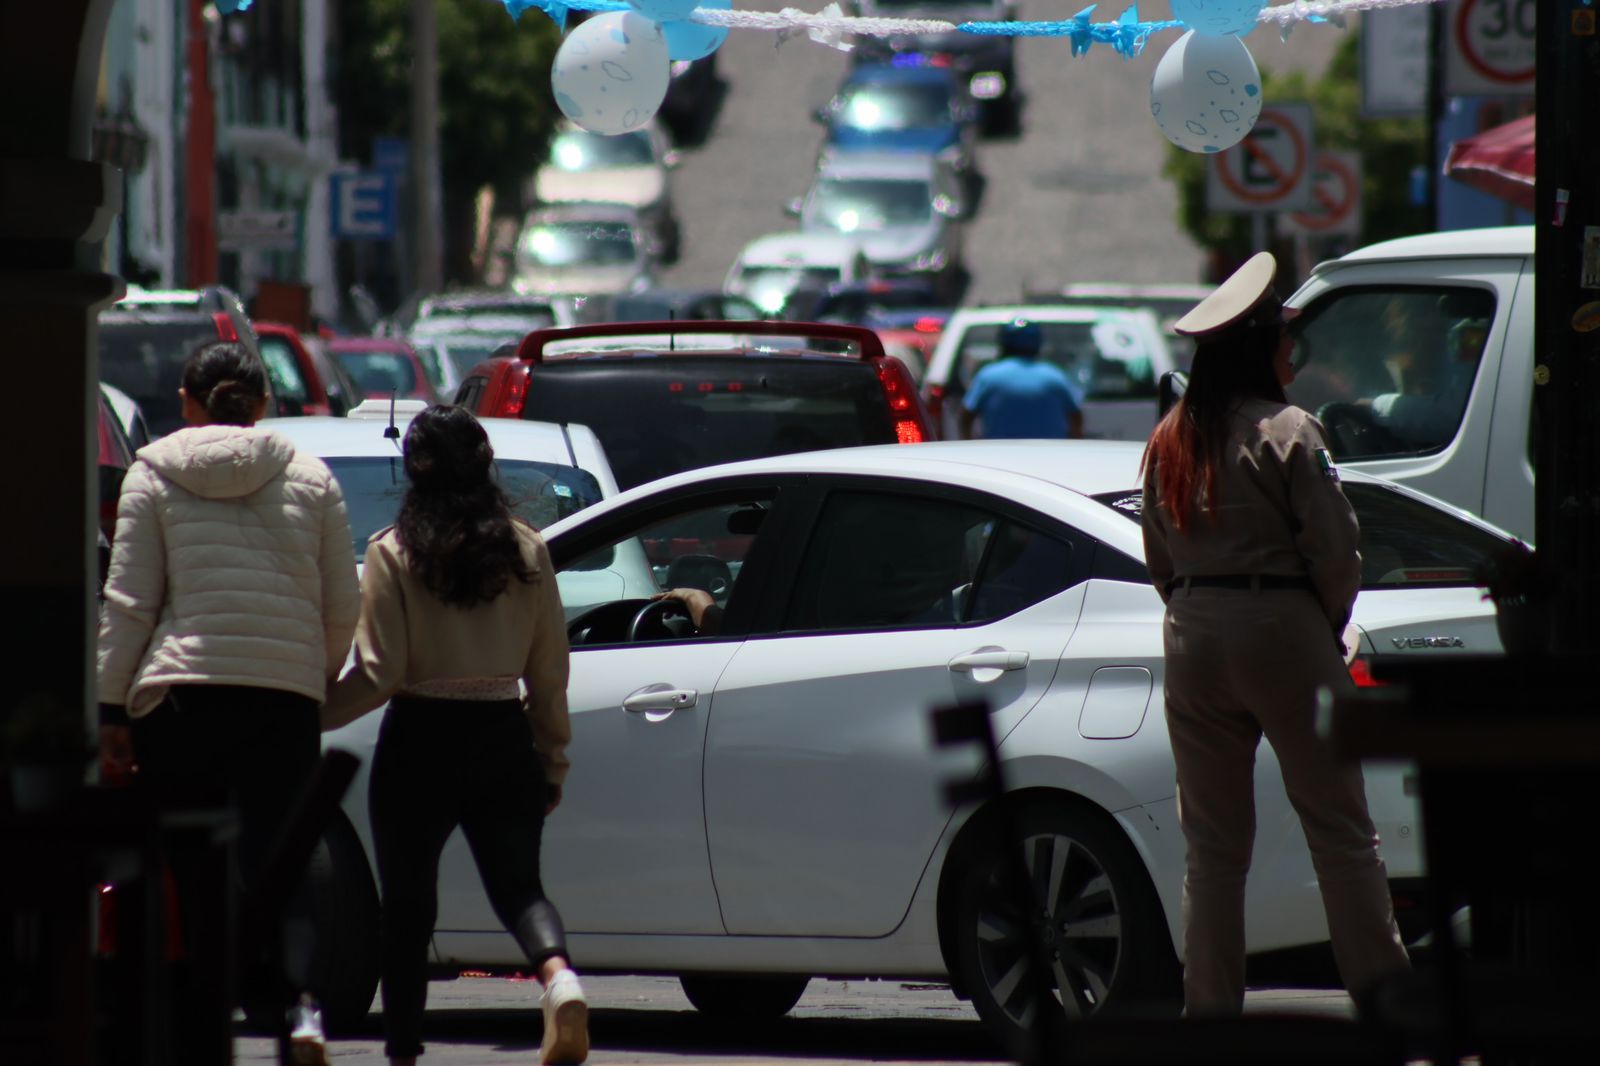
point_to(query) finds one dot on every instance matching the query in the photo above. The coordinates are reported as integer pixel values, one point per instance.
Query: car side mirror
(792, 208)
(1170, 390)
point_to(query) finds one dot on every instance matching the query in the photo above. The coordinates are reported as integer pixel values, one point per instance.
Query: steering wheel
(1353, 430)
(654, 613)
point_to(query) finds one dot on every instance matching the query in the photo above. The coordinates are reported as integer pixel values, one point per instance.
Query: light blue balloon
(664, 10)
(1218, 16)
(691, 40)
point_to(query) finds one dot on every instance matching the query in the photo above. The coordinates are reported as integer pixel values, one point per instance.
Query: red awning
(1498, 161)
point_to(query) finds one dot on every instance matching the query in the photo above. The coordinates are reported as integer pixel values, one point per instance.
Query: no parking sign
(1335, 198)
(1270, 170)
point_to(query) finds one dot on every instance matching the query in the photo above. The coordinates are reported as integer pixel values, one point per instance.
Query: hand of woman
(553, 799)
(695, 601)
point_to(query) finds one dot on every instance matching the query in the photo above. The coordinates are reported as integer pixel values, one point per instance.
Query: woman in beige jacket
(230, 602)
(460, 605)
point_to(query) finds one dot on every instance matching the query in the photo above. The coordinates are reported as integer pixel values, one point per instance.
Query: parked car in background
(454, 331)
(906, 210)
(384, 366)
(632, 169)
(770, 270)
(300, 384)
(670, 396)
(1167, 302)
(785, 813)
(584, 249)
(129, 416)
(114, 454)
(663, 305)
(905, 314)
(1114, 356)
(923, 110)
(986, 62)
(147, 336)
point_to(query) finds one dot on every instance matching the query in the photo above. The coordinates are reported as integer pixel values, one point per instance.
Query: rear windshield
(1106, 359)
(288, 380)
(144, 357)
(540, 493)
(655, 417)
(1404, 541)
(379, 373)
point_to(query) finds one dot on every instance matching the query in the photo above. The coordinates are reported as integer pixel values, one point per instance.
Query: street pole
(427, 259)
(1567, 279)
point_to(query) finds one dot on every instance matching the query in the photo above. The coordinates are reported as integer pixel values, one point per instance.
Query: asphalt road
(491, 1021)
(1079, 196)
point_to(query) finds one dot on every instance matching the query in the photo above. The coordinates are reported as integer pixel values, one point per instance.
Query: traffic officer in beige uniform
(1251, 543)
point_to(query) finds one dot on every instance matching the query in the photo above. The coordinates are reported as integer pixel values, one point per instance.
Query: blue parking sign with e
(364, 205)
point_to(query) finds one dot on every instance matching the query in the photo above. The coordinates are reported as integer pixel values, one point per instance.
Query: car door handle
(660, 697)
(989, 658)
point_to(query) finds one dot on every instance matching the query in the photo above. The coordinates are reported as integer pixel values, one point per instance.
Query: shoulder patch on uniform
(1325, 460)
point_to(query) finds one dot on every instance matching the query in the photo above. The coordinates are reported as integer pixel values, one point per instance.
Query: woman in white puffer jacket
(230, 603)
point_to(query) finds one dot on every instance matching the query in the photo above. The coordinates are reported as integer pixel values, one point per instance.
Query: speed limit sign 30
(1491, 47)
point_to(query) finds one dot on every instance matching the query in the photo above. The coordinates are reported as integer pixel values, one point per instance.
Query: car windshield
(379, 373)
(569, 244)
(1406, 542)
(540, 493)
(895, 107)
(658, 415)
(578, 150)
(465, 353)
(769, 287)
(288, 382)
(143, 355)
(1105, 358)
(852, 205)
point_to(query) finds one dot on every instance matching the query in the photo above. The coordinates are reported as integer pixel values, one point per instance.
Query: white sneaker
(308, 1045)
(566, 1021)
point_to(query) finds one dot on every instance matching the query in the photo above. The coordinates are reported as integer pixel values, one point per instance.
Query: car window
(852, 205)
(702, 546)
(144, 355)
(578, 244)
(658, 416)
(579, 150)
(1106, 359)
(1405, 541)
(539, 493)
(892, 561)
(379, 373)
(284, 374)
(894, 107)
(1388, 370)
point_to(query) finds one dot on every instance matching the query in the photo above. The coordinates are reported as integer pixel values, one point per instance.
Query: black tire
(344, 910)
(743, 998)
(1102, 924)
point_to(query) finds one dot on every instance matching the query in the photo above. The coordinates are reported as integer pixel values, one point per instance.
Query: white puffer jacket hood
(232, 565)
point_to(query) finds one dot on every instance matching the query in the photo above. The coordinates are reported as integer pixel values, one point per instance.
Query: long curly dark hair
(1186, 447)
(455, 523)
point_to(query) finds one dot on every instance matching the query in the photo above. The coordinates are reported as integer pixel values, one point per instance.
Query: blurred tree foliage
(495, 109)
(1390, 149)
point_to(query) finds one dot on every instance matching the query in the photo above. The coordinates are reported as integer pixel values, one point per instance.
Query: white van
(1417, 355)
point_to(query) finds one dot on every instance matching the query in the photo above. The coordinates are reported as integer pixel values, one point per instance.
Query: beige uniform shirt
(407, 636)
(1279, 510)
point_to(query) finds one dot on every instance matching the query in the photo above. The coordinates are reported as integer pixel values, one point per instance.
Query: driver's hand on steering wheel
(702, 607)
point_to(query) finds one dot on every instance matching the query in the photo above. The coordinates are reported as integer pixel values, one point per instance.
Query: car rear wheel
(1088, 903)
(747, 998)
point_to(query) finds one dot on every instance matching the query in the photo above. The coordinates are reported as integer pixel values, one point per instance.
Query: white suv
(1417, 355)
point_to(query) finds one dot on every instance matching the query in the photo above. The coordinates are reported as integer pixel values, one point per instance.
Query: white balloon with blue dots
(1206, 92)
(610, 74)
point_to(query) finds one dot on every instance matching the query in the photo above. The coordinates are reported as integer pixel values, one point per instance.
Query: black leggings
(440, 764)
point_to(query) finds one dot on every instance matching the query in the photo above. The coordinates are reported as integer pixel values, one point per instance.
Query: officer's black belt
(1243, 582)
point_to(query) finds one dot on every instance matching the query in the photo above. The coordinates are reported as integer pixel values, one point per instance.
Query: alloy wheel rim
(1077, 922)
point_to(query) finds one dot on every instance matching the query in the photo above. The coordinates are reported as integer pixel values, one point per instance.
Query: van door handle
(989, 658)
(659, 698)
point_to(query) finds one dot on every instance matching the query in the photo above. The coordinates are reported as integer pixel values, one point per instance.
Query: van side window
(1388, 370)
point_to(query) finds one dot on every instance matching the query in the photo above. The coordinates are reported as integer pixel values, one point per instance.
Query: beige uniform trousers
(1240, 665)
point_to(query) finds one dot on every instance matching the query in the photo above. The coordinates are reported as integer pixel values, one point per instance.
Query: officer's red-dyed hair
(1187, 444)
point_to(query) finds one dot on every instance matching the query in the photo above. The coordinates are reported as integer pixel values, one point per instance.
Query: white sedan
(760, 802)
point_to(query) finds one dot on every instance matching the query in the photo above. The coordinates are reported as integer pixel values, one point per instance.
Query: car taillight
(928, 324)
(516, 391)
(901, 393)
(224, 324)
(1361, 674)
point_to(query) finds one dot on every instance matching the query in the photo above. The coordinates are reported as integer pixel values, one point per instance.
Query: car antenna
(672, 335)
(391, 431)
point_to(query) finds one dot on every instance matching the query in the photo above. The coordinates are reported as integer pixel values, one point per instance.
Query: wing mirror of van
(1169, 390)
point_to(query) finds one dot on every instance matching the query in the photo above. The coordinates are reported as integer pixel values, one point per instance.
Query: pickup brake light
(224, 324)
(901, 392)
(1361, 674)
(514, 393)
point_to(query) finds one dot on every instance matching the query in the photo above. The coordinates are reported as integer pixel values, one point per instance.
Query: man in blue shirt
(1018, 395)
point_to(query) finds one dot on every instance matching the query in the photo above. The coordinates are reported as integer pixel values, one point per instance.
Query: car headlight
(987, 85)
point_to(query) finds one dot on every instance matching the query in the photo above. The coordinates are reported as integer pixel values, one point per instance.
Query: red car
(384, 366)
(670, 396)
(297, 385)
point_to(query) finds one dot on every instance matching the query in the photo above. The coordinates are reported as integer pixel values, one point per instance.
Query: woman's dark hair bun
(228, 380)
